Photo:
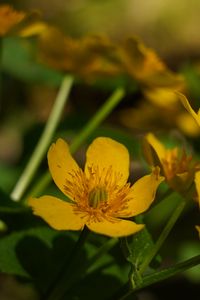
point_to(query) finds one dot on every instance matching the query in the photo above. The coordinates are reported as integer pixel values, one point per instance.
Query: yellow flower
(187, 105)
(158, 105)
(144, 65)
(9, 18)
(89, 57)
(176, 166)
(100, 197)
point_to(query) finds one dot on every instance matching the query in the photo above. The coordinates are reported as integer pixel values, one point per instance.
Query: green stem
(100, 116)
(44, 140)
(164, 234)
(165, 274)
(134, 276)
(89, 128)
(61, 283)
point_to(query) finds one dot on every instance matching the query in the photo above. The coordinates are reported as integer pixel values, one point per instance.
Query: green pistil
(96, 196)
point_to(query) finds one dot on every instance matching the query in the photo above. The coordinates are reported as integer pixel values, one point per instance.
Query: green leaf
(141, 245)
(36, 253)
(189, 249)
(19, 59)
(164, 274)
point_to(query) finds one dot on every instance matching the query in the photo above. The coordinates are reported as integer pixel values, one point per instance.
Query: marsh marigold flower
(100, 197)
(177, 167)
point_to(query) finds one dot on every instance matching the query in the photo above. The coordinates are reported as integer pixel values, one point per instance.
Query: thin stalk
(44, 140)
(134, 276)
(164, 274)
(164, 234)
(89, 128)
(60, 285)
(98, 118)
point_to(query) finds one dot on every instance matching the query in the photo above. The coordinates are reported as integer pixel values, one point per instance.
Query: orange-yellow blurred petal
(61, 163)
(156, 145)
(198, 229)
(162, 97)
(197, 184)
(187, 105)
(187, 124)
(115, 227)
(142, 193)
(104, 153)
(34, 28)
(9, 18)
(57, 213)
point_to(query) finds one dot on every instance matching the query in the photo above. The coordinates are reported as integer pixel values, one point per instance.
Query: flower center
(96, 196)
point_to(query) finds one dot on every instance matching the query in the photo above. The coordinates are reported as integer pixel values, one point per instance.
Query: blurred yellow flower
(9, 18)
(88, 57)
(177, 167)
(100, 197)
(92, 56)
(144, 65)
(158, 105)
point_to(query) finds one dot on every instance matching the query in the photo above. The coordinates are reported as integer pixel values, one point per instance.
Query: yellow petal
(162, 97)
(9, 18)
(187, 105)
(61, 163)
(34, 28)
(115, 227)
(197, 184)
(198, 229)
(187, 124)
(142, 194)
(57, 213)
(105, 153)
(156, 145)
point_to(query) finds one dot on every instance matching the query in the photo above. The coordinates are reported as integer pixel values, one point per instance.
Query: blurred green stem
(162, 275)
(134, 276)
(164, 234)
(89, 128)
(44, 140)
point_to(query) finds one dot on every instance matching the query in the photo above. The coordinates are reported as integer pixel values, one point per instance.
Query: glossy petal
(197, 184)
(198, 229)
(142, 194)
(115, 227)
(104, 153)
(156, 145)
(61, 163)
(187, 105)
(57, 213)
